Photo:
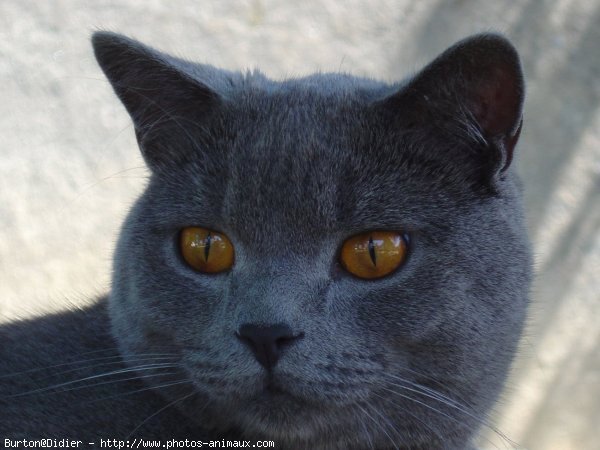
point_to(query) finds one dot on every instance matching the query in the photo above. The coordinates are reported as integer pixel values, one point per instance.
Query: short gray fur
(289, 170)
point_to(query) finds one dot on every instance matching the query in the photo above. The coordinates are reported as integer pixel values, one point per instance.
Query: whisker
(137, 360)
(386, 420)
(406, 411)
(159, 411)
(427, 392)
(88, 386)
(39, 369)
(368, 434)
(454, 419)
(115, 372)
(153, 388)
(429, 378)
(379, 425)
(448, 400)
(84, 189)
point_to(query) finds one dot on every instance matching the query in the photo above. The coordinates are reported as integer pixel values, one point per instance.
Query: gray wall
(69, 166)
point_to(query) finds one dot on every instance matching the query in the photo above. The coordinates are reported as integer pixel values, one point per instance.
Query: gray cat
(326, 262)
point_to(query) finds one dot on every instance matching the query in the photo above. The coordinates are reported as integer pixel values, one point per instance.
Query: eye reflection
(373, 254)
(206, 250)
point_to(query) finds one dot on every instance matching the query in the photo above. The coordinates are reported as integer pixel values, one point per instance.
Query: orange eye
(206, 250)
(373, 254)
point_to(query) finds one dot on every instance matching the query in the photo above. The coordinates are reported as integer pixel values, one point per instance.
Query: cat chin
(269, 413)
(325, 428)
(276, 417)
(294, 422)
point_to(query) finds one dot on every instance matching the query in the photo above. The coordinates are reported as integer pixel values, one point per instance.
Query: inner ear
(478, 81)
(496, 100)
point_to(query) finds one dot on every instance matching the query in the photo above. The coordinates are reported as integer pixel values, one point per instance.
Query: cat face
(285, 342)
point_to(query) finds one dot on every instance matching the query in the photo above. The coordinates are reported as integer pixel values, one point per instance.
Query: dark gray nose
(267, 341)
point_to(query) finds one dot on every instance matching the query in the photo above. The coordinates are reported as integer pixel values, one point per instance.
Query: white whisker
(406, 411)
(164, 359)
(152, 388)
(115, 372)
(378, 425)
(453, 419)
(115, 357)
(159, 411)
(430, 393)
(120, 380)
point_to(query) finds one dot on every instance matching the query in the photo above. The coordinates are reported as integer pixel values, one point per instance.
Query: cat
(326, 262)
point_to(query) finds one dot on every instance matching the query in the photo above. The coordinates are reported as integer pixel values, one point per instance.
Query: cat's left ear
(164, 101)
(480, 81)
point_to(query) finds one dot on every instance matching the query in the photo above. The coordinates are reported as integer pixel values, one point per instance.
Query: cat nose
(267, 342)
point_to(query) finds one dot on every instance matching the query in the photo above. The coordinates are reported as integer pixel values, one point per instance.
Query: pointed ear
(479, 81)
(160, 97)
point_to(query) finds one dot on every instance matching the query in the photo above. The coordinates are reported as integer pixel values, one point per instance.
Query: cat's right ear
(163, 101)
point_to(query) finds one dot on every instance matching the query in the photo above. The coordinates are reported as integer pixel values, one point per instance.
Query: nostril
(267, 341)
(286, 340)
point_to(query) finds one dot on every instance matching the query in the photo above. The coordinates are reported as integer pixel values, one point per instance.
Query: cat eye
(374, 254)
(206, 250)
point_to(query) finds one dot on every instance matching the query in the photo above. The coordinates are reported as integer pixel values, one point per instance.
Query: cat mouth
(275, 394)
(274, 390)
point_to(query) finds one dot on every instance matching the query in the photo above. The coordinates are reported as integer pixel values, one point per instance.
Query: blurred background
(70, 168)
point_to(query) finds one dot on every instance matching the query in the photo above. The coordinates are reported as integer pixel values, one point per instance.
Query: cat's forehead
(282, 117)
(317, 85)
(285, 162)
(296, 134)
(300, 158)
(297, 165)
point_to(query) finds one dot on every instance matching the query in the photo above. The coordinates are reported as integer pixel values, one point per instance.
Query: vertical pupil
(372, 251)
(207, 247)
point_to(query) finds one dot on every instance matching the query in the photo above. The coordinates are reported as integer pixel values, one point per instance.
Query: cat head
(300, 188)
